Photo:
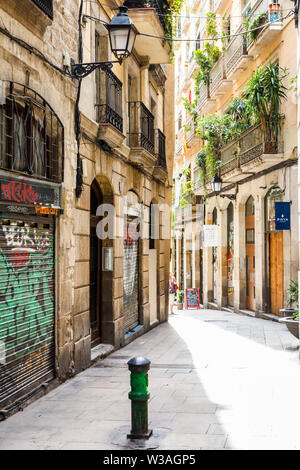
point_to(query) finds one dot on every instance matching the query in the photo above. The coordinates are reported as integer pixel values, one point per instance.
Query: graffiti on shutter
(26, 305)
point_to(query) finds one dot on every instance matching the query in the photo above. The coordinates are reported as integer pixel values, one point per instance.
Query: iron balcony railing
(203, 95)
(251, 144)
(217, 74)
(161, 6)
(31, 134)
(190, 129)
(160, 143)
(236, 49)
(46, 6)
(260, 8)
(110, 96)
(141, 126)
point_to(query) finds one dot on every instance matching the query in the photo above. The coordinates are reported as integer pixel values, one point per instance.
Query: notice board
(192, 298)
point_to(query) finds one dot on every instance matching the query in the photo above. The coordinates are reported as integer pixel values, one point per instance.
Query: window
(31, 135)
(46, 6)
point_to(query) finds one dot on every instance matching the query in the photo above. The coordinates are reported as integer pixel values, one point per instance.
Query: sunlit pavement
(218, 380)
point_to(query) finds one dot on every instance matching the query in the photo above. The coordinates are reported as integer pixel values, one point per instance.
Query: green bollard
(139, 397)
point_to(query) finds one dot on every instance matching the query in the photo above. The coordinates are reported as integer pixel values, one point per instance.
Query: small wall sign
(282, 216)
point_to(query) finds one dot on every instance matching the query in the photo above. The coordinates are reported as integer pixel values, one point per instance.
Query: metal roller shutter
(27, 310)
(131, 283)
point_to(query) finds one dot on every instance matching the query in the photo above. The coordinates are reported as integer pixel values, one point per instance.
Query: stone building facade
(250, 267)
(63, 154)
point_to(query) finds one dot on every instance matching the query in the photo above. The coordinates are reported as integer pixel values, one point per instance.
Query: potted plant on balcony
(264, 92)
(179, 299)
(274, 9)
(292, 322)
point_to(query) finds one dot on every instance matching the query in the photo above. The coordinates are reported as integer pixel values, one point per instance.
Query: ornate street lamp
(216, 183)
(122, 34)
(216, 186)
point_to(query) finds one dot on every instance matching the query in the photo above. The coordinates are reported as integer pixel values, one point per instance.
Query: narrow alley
(217, 380)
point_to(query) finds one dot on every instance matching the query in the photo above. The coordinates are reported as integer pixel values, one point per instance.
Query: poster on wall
(211, 235)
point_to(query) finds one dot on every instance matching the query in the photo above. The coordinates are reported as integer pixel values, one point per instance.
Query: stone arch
(101, 267)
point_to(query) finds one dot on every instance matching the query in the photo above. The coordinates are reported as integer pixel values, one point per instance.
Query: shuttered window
(46, 6)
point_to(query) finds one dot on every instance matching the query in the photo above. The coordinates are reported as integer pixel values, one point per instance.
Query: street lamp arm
(82, 70)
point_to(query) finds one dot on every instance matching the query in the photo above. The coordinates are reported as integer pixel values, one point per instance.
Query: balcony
(179, 143)
(160, 170)
(109, 110)
(204, 102)
(140, 137)
(219, 84)
(191, 136)
(250, 153)
(257, 42)
(236, 56)
(149, 18)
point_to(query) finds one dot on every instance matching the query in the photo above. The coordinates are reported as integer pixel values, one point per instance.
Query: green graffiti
(26, 299)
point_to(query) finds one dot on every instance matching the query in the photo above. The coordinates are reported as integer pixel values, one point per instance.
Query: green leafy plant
(187, 187)
(252, 24)
(179, 296)
(172, 14)
(264, 92)
(293, 291)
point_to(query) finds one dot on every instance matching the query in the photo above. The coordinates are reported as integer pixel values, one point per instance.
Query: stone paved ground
(218, 381)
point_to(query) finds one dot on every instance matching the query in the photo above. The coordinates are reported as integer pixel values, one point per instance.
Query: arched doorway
(131, 263)
(230, 253)
(95, 266)
(274, 253)
(215, 261)
(250, 253)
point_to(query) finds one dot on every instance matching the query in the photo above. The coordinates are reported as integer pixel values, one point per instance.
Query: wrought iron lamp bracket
(83, 70)
(232, 197)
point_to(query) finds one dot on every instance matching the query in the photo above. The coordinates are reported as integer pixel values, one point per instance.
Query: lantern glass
(216, 184)
(122, 34)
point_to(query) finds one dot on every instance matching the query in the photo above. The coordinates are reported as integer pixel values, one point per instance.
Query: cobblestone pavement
(218, 380)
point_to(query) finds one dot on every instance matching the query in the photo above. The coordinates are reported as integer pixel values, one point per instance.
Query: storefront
(31, 160)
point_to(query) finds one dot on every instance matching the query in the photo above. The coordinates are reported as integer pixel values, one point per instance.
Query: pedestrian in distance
(172, 291)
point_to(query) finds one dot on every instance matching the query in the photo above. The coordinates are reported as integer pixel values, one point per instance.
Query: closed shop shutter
(27, 310)
(131, 283)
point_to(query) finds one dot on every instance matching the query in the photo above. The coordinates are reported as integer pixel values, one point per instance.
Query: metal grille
(27, 314)
(131, 280)
(110, 107)
(216, 75)
(31, 135)
(236, 50)
(46, 6)
(141, 126)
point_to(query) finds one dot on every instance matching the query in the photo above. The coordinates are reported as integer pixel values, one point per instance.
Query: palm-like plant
(264, 92)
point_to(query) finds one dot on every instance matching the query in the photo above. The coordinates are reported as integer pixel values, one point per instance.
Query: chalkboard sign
(192, 298)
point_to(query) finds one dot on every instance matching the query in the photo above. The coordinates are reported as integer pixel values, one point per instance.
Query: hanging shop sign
(211, 235)
(192, 298)
(282, 216)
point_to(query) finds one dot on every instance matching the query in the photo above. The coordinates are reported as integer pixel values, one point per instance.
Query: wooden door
(95, 268)
(250, 254)
(276, 272)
